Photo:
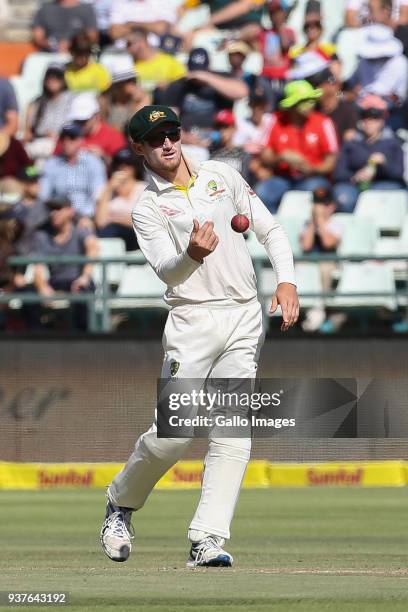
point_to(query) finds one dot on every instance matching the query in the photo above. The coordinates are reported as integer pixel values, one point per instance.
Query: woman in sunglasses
(372, 159)
(313, 30)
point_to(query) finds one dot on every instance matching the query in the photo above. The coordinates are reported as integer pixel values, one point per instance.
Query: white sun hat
(83, 107)
(379, 41)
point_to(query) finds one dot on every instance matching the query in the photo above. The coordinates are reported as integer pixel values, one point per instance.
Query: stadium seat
(368, 277)
(141, 288)
(347, 44)
(35, 66)
(359, 236)
(255, 248)
(308, 280)
(293, 227)
(296, 204)
(110, 247)
(24, 96)
(387, 209)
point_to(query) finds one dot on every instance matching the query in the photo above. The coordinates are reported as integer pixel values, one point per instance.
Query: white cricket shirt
(163, 221)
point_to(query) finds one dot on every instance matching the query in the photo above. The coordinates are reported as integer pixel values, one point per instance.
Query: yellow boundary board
(187, 475)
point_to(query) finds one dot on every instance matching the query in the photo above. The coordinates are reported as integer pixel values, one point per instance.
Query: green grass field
(299, 550)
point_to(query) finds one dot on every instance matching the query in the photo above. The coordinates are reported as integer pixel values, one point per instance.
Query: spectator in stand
(275, 44)
(124, 97)
(98, 137)
(8, 108)
(30, 210)
(4, 14)
(156, 16)
(200, 95)
(372, 159)
(75, 174)
(47, 114)
(302, 147)
(252, 133)
(153, 67)
(322, 234)
(10, 231)
(119, 197)
(382, 68)
(13, 158)
(242, 16)
(56, 23)
(363, 12)
(64, 237)
(317, 71)
(103, 10)
(313, 30)
(223, 146)
(238, 51)
(83, 73)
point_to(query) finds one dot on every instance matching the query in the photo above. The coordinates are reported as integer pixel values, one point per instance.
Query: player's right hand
(203, 240)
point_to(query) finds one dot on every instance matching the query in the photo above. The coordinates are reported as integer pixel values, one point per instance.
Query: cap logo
(155, 115)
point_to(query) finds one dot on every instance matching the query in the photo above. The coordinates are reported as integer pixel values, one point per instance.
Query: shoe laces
(120, 524)
(204, 546)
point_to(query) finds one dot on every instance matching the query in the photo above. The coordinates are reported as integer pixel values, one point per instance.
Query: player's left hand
(286, 296)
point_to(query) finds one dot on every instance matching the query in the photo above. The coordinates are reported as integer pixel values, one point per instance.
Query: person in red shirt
(301, 147)
(275, 43)
(99, 137)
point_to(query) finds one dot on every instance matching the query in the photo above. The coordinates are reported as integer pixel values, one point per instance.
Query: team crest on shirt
(174, 367)
(214, 189)
(155, 115)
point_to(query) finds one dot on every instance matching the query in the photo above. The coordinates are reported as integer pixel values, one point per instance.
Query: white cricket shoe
(117, 532)
(209, 553)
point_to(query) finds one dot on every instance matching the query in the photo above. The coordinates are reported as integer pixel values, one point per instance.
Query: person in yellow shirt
(153, 67)
(82, 73)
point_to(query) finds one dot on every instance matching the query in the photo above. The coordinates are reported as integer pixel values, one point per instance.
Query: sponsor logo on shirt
(170, 212)
(174, 367)
(214, 189)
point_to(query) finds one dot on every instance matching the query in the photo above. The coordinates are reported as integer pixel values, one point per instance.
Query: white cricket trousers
(206, 342)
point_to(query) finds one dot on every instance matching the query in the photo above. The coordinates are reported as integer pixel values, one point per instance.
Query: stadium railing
(99, 302)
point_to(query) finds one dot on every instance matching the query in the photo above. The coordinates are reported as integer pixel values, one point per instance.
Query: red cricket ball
(240, 223)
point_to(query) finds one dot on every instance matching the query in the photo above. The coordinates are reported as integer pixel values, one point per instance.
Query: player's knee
(237, 448)
(163, 447)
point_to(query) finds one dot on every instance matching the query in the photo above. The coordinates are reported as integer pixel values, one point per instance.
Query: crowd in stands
(67, 174)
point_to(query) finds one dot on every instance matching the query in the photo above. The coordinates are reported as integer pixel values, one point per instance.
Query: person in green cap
(301, 149)
(214, 329)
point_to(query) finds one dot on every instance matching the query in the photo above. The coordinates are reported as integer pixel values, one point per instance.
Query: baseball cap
(224, 117)
(149, 118)
(298, 91)
(198, 60)
(29, 174)
(322, 195)
(58, 203)
(72, 130)
(124, 156)
(83, 107)
(278, 5)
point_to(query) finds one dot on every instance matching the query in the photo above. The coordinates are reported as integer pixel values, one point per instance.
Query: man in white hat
(98, 137)
(382, 69)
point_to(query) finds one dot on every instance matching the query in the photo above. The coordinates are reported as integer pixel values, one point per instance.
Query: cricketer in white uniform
(214, 328)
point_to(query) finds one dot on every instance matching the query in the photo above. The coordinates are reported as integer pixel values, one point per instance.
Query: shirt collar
(161, 183)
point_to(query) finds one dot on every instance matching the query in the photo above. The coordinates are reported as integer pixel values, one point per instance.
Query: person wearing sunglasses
(214, 329)
(372, 159)
(313, 31)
